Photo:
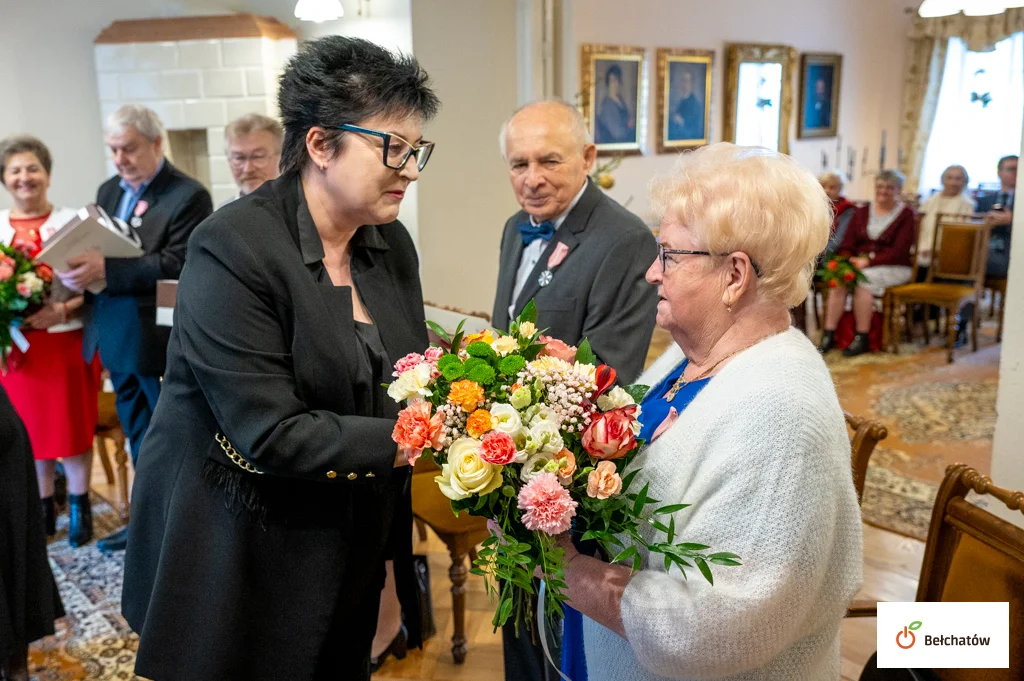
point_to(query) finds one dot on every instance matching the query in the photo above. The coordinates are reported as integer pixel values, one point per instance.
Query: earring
(728, 308)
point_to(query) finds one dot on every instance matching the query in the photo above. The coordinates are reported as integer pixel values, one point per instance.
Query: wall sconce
(318, 11)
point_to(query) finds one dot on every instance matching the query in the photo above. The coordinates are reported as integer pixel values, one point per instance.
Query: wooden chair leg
(975, 324)
(458, 573)
(472, 555)
(927, 319)
(1002, 312)
(421, 529)
(100, 445)
(886, 321)
(121, 459)
(950, 333)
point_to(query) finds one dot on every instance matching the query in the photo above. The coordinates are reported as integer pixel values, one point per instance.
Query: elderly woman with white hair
(744, 425)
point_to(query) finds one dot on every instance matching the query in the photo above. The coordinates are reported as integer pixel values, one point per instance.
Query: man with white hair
(163, 205)
(253, 147)
(581, 257)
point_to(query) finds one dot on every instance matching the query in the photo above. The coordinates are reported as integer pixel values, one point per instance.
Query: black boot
(80, 530)
(963, 320)
(858, 346)
(827, 341)
(60, 486)
(49, 516)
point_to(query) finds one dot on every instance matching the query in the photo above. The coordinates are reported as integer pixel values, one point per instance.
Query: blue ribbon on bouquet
(18, 337)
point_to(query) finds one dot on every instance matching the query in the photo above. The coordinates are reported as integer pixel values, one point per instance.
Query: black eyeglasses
(663, 252)
(396, 149)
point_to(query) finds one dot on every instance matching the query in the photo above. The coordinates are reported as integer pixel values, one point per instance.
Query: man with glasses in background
(253, 147)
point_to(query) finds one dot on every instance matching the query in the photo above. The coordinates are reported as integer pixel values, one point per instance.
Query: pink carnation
(24, 290)
(410, 361)
(6, 268)
(548, 506)
(433, 354)
(498, 448)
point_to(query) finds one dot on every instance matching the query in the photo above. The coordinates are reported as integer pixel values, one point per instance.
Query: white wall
(1007, 450)
(469, 49)
(869, 33)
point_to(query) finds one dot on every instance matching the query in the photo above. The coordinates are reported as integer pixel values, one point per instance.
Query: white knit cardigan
(763, 456)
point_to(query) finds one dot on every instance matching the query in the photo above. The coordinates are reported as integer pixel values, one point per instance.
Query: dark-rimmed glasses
(663, 252)
(397, 150)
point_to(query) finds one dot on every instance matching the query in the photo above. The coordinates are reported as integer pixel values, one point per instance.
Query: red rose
(832, 265)
(498, 448)
(833, 284)
(611, 435)
(849, 276)
(45, 272)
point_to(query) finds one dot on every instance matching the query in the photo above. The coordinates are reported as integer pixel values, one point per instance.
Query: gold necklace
(682, 382)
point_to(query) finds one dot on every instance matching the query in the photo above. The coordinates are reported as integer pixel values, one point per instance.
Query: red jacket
(894, 246)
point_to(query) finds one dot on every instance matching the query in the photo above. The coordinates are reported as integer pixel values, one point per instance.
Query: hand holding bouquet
(531, 433)
(839, 270)
(24, 286)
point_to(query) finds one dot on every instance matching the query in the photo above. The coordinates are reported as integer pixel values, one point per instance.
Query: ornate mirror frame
(739, 53)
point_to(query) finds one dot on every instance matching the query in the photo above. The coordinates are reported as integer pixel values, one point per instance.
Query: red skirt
(54, 392)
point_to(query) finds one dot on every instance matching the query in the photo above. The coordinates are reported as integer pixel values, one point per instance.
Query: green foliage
(529, 313)
(637, 391)
(584, 355)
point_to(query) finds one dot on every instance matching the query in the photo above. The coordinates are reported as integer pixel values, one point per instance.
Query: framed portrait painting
(819, 95)
(684, 98)
(612, 78)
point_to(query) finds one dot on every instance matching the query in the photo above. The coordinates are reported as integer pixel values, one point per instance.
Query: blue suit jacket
(999, 240)
(121, 321)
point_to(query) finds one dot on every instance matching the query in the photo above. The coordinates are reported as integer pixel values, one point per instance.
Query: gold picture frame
(820, 81)
(675, 132)
(615, 129)
(738, 54)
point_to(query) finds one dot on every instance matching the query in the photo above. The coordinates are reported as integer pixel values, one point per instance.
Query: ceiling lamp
(318, 11)
(940, 8)
(971, 8)
(978, 8)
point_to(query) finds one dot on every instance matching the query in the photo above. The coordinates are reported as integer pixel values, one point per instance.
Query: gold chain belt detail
(237, 458)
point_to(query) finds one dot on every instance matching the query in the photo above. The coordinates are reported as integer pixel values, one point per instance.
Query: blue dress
(654, 410)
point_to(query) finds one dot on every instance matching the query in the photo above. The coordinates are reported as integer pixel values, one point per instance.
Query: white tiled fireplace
(198, 74)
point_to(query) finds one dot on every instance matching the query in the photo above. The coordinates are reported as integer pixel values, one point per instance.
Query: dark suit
(232, 574)
(121, 321)
(598, 292)
(999, 240)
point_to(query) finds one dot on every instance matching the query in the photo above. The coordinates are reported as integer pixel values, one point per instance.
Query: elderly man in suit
(163, 205)
(581, 257)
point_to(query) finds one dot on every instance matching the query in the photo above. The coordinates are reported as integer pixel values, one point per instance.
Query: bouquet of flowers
(531, 434)
(837, 270)
(24, 286)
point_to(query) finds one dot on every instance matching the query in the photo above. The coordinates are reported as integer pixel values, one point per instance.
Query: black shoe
(114, 542)
(49, 516)
(80, 530)
(60, 486)
(827, 341)
(858, 346)
(397, 648)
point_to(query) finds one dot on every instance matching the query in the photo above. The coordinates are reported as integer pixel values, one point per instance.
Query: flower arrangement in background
(837, 270)
(24, 285)
(533, 434)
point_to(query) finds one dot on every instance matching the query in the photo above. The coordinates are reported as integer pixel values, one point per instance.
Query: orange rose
(466, 394)
(603, 481)
(478, 423)
(569, 467)
(610, 435)
(486, 336)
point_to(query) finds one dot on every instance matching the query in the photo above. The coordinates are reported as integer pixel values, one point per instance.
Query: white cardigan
(763, 455)
(58, 218)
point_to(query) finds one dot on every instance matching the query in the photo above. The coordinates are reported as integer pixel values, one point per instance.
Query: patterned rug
(93, 641)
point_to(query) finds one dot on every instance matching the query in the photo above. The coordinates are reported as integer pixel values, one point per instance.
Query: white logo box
(956, 632)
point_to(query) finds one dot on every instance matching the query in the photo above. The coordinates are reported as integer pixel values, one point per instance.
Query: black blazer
(999, 238)
(261, 570)
(121, 321)
(598, 292)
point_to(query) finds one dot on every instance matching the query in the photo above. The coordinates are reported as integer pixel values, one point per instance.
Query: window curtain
(926, 63)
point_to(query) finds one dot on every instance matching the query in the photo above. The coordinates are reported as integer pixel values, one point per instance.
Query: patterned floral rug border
(93, 641)
(898, 503)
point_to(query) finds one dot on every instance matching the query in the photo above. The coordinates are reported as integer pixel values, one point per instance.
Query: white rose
(527, 329)
(544, 436)
(466, 474)
(504, 345)
(505, 418)
(413, 383)
(614, 399)
(535, 465)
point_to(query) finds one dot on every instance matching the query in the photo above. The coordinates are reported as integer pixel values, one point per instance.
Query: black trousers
(524, 656)
(136, 399)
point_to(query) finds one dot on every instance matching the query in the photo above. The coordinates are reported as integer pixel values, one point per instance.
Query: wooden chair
(956, 275)
(997, 286)
(972, 556)
(108, 427)
(460, 534)
(866, 435)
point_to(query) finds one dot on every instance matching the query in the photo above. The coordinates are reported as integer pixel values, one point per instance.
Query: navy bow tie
(531, 232)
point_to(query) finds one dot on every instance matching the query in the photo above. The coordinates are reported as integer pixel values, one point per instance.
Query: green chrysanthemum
(448, 361)
(480, 349)
(453, 372)
(511, 365)
(474, 362)
(481, 373)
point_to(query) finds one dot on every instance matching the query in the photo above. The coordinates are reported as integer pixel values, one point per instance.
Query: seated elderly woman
(950, 201)
(842, 208)
(880, 242)
(745, 425)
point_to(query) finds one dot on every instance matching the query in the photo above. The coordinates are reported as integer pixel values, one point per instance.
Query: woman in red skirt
(51, 386)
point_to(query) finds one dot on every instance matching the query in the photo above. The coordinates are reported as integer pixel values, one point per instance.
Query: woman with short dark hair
(271, 491)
